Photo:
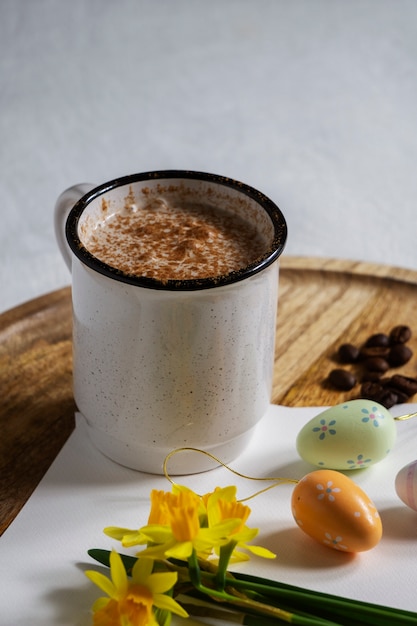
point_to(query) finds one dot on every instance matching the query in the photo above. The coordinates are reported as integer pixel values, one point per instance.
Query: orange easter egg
(331, 508)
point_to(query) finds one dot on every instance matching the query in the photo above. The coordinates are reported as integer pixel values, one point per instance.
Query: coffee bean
(372, 377)
(342, 379)
(376, 364)
(348, 353)
(370, 389)
(387, 398)
(406, 384)
(376, 392)
(402, 397)
(389, 384)
(379, 339)
(367, 352)
(399, 354)
(371, 361)
(400, 334)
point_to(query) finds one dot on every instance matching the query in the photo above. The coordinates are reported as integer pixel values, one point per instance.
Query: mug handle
(63, 206)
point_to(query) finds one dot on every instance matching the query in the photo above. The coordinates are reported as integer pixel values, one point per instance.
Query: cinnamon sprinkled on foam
(168, 242)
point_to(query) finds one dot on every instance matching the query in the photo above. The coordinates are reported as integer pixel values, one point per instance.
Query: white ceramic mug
(160, 366)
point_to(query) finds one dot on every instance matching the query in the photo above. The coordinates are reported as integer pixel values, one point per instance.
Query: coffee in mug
(166, 241)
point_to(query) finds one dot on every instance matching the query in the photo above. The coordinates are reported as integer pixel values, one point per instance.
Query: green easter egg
(350, 435)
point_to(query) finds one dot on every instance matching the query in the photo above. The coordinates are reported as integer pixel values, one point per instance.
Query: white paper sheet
(44, 552)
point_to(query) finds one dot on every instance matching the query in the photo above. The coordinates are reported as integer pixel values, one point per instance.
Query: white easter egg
(406, 485)
(350, 435)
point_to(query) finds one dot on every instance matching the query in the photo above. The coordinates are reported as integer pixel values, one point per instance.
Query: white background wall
(314, 102)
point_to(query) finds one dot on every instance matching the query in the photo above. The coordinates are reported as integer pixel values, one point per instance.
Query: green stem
(256, 615)
(243, 601)
(309, 605)
(352, 611)
(237, 618)
(194, 570)
(224, 559)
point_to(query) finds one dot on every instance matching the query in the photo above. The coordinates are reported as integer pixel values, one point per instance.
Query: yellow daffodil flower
(181, 522)
(158, 515)
(184, 533)
(221, 506)
(131, 602)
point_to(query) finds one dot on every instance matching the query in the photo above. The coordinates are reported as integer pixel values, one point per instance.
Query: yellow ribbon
(277, 480)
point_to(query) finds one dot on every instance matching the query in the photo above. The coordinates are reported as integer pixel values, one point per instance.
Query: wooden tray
(322, 304)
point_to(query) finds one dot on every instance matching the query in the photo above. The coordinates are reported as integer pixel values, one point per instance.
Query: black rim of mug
(275, 250)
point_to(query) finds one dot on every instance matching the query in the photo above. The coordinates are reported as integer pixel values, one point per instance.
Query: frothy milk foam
(174, 240)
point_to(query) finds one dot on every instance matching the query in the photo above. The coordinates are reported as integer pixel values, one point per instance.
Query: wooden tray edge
(358, 268)
(287, 262)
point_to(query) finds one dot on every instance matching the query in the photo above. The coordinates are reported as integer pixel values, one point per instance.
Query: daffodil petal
(224, 493)
(102, 581)
(118, 533)
(245, 535)
(100, 603)
(221, 530)
(176, 488)
(118, 572)
(157, 552)
(142, 570)
(162, 581)
(127, 536)
(162, 601)
(213, 512)
(239, 557)
(156, 534)
(134, 539)
(180, 550)
(260, 551)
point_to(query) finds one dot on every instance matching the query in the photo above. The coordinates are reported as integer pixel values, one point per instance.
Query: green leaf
(103, 557)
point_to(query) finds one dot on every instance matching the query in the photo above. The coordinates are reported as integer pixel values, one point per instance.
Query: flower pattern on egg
(327, 490)
(372, 416)
(324, 428)
(359, 462)
(334, 543)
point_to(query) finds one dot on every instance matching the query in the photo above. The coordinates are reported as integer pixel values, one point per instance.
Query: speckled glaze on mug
(159, 366)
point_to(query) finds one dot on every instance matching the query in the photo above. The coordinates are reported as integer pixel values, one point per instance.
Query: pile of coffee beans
(372, 362)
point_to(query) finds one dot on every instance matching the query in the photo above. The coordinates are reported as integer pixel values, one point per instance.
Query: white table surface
(44, 551)
(314, 102)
